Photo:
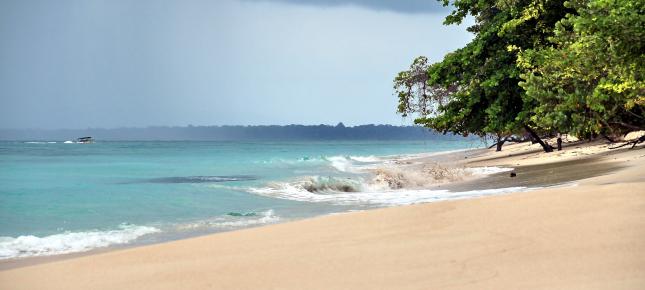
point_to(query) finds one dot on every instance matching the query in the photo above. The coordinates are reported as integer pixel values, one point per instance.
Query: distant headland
(234, 133)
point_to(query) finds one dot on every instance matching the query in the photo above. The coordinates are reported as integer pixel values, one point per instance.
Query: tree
(590, 80)
(475, 90)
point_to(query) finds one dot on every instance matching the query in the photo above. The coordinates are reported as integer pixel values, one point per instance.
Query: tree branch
(633, 143)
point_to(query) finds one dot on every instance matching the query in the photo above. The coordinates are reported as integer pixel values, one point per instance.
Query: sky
(115, 63)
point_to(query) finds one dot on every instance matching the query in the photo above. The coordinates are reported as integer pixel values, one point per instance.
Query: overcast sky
(114, 63)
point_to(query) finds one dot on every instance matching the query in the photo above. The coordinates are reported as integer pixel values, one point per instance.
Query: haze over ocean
(106, 64)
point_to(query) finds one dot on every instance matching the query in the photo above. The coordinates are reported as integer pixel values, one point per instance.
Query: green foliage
(570, 67)
(480, 80)
(591, 80)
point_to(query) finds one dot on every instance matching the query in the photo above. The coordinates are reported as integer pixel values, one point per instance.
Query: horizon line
(208, 126)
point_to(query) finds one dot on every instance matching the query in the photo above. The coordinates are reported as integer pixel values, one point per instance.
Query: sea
(60, 197)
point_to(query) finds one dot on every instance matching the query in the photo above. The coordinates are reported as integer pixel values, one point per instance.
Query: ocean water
(57, 197)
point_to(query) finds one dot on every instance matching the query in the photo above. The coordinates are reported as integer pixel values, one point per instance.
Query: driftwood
(633, 143)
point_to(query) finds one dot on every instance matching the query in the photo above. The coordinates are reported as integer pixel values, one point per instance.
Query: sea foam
(381, 185)
(233, 221)
(487, 170)
(69, 242)
(382, 198)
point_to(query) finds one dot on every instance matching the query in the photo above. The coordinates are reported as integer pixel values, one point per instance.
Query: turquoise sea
(57, 197)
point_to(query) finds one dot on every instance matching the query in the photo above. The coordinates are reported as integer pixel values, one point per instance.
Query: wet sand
(541, 175)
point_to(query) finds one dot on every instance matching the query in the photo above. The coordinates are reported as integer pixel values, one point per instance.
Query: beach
(322, 144)
(584, 231)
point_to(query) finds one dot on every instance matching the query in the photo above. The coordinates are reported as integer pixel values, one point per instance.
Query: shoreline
(459, 158)
(434, 157)
(17, 262)
(605, 163)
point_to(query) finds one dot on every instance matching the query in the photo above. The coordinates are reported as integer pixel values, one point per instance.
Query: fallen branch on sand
(633, 143)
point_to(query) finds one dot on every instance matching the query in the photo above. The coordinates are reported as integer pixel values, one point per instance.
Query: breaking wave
(69, 242)
(325, 184)
(384, 185)
(75, 242)
(385, 198)
(354, 164)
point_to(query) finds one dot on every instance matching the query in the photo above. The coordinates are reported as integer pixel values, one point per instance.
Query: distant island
(234, 133)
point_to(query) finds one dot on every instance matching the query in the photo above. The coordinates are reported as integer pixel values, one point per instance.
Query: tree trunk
(559, 141)
(500, 142)
(545, 146)
(499, 145)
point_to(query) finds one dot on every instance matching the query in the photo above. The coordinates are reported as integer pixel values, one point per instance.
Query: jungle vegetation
(534, 68)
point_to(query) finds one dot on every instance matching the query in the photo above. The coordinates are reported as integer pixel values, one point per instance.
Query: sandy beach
(322, 144)
(587, 232)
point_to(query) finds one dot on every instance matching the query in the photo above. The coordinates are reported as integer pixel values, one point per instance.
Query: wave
(355, 164)
(399, 178)
(340, 163)
(324, 184)
(330, 184)
(365, 159)
(428, 175)
(383, 198)
(40, 142)
(69, 242)
(391, 185)
(315, 185)
(74, 242)
(233, 220)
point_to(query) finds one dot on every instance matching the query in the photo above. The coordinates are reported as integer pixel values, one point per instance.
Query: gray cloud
(402, 6)
(97, 63)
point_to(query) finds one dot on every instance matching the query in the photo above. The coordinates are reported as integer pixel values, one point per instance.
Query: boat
(85, 140)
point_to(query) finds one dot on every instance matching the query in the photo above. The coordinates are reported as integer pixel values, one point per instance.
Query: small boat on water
(85, 140)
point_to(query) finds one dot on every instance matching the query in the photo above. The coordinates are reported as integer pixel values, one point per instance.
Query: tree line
(534, 68)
